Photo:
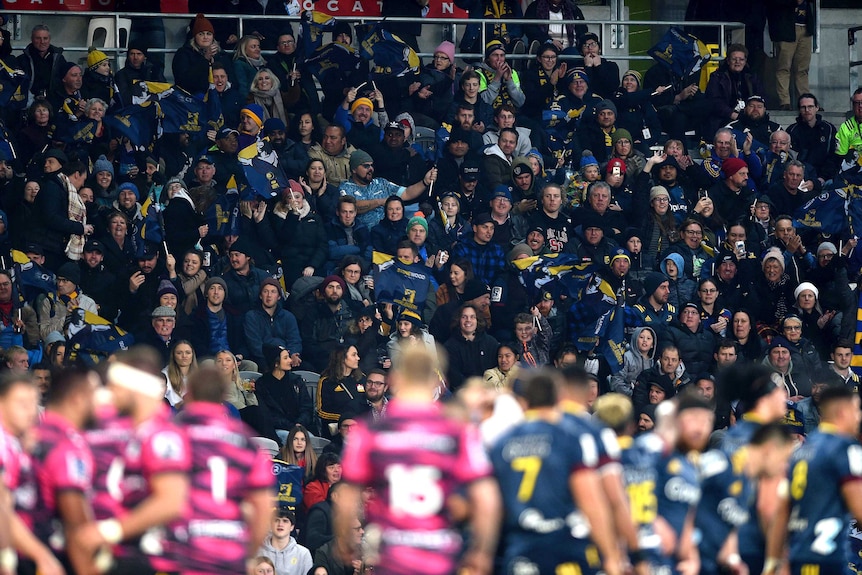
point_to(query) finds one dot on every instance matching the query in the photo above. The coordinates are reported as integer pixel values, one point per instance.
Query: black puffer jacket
(469, 358)
(695, 348)
(303, 244)
(51, 225)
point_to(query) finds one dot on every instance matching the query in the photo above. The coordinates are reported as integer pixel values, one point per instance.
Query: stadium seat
(101, 33)
(268, 445)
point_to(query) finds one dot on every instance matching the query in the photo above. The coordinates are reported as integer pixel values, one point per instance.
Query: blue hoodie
(683, 288)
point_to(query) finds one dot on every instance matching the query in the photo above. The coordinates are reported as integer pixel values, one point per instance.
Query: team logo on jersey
(76, 467)
(167, 445)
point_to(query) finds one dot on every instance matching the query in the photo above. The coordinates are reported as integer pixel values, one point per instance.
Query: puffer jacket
(695, 348)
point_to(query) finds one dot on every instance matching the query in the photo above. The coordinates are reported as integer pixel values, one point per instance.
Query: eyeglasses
(662, 200)
(590, 44)
(709, 291)
(374, 382)
(857, 102)
(792, 327)
(548, 57)
(441, 57)
(694, 232)
(287, 43)
(367, 166)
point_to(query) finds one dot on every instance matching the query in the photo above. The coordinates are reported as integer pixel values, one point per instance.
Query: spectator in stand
(56, 310)
(814, 139)
(299, 232)
(244, 278)
(542, 80)
(433, 91)
(386, 235)
(266, 92)
(399, 163)
(240, 394)
(304, 130)
(160, 335)
(192, 62)
(97, 281)
(180, 366)
(34, 137)
(564, 37)
(327, 472)
(636, 112)
(231, 100)
(215, 326)
(359, 125)
(791, 29)
(341, 390)
(471, 350)
(298, 90)
(335, 153)
(603, 74)
(774, 289)
(483, 113)
(498, 83)
(680, 106)
(346, 237)
(730, 87)
(298, 450)
(360, 288)
(281, 392)
(137, 69)
(271, 325)
(247, 62)
(98, 81)
(325, 325)
(486, 256)
(42, 62)
(288, 556)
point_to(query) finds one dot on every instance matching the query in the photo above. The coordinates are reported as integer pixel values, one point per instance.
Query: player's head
(135, 379)
(615, 410)
(839, 406)
(575, 384)
(538, 389)
(756, 390)
(694, 420)
(19, 403)
(769, 451)
(416, 373)
(71, 394)
(206, 385)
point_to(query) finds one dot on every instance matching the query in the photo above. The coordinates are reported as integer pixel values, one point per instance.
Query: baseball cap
(225, 132)
(395, 126)
(483, 218)
(94, 246)
(34, 249)
(469, 171)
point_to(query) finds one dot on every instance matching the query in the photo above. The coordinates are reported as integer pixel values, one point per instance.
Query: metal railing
(613, 36)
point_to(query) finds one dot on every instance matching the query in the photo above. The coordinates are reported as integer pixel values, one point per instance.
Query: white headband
(136, 380)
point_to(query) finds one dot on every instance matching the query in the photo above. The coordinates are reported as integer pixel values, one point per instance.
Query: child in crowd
(533, 334)
(640, 356)
(682, 288)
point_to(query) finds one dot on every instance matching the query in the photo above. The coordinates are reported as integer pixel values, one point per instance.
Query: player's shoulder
(713, 463)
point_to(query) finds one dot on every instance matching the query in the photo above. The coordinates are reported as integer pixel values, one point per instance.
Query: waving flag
(92, 339)
(222, 216)
(137, 123)
(78, 132)
(597, 321)
(13, 94)
(391, 55)
(681, 53)
(556, 273)
(148, 91)
(851, 184)
(827, 212)
(29, 280)
(334, 56)
(401, 284)
(314, 25)
(260, 165)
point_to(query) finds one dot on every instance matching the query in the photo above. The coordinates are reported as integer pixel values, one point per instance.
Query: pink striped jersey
(62, 461)
(414, 459)
(18, 477)
(226, 467)
(108, 441)
(157, 446)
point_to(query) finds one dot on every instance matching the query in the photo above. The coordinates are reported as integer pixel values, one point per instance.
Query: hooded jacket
(292, 560)
(633, 363)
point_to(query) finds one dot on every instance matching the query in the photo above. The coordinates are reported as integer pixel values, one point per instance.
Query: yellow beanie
(361, 102)
(95, 57)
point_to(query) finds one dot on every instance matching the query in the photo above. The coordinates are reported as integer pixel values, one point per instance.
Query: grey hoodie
(633, 363)
(292, 560)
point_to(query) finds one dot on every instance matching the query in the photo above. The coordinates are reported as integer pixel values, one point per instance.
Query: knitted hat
(359, 157)
(773, 253)
(631, 233)
(448, 48)
(64, 69)
(71, 272)
(201, 24)
(242, 246)
(669, 161)
(588, 159)
(657, 191)
(606, 105)
(341, 27)
(493, 46)
(827, 246)
(621, 253)
(103, 165)
(521, 166)
(333, 278)
(649, 411)
(255, 112)
(410, 316)
(732, 165)
(501, 191)
(165, 286)
(616, 162)
(270, 282)
(578, 73)
(130, 187)
(215, 281)
(620, 134)
(653, 281)
(58, 155)
(458, 134)
(271, 354)
(272, 124)
(663, 382)
(419, 218)
(163, 311)
(296, 187)
(636, 75)
(519, 250)
(779, 341)
(473, 289)
(95, 57)
(806, 286)
(139, 45)
(361, 102)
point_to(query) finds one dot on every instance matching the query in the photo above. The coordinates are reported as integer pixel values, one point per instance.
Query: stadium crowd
(522, 236)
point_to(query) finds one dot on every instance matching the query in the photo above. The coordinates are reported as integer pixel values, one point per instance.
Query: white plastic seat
(101, 33)
(268, 445)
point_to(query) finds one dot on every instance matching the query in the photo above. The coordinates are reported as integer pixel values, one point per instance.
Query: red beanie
(732, 165)
(201, 24)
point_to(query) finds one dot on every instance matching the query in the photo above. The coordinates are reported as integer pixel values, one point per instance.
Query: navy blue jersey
(854, 548)
(678, 489)
(639, 478)
(543, 528)
(818, 514)
(723, 505)
(606, 439)
(752, 541)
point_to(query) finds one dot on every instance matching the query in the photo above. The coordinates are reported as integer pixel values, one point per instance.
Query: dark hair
(480, 319)
(326, 459)
(392, 198)
(471, 75)
(705, 281)
(509, 130)
(335, 368)
(405, 245)
(568, 349)
(77, 167)
(576, 377)
(465, 265)
(843, 342)
(724, 343)
(505, 108)
(737, 48)
(293, 127)
(510, 346)
(52, 349)
(339, 127)
(349, 261)
(207, 384)
(541, 389)
(10, 379)
(31, 111)
(67, 382)
(344, 199)
(466, 106)
(771, 432)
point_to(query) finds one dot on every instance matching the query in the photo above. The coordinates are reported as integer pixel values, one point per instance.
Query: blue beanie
(103, 165)
(131, 187)
(256, 113)
(273, 124)
(588, 159)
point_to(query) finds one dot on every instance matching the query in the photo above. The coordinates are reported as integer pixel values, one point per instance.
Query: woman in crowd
(303, 129)
(774, 289)
(241, 395)
(712, 316)
(352, 270)
(21, 212)
(247, 62)
(180, 366)
(283, 393)
(750, 346)
(184, 226)
(431, 95)
(35, 136)
(460, 272)
(191, 63)
(448, 226)
(192, 276)
(471, 351)
(504, 374)
(300, 234)
(323, 196)
(815, 323)
(265, 91)
(625, 150)
(326, 473)
(297, 450)
(103, 182)
(119, 252)
(409, 331)
(340, 389)
(636, 113)
(297, 84)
